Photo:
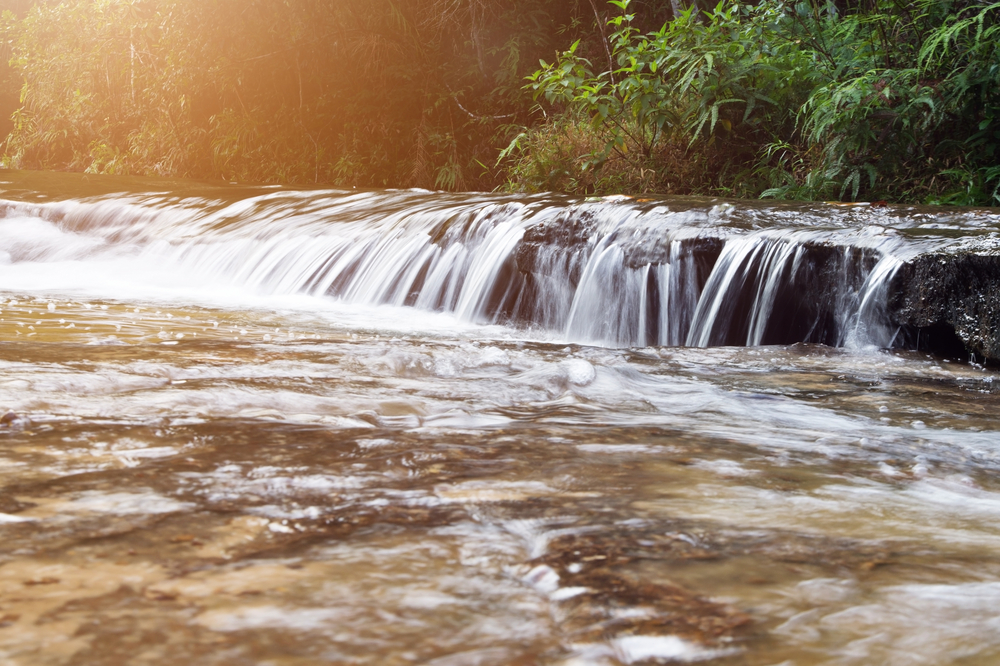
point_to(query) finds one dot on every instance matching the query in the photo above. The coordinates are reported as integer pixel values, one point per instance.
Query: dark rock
(937, 294)
(570, 229)
(14, 421)
(809, 268)
(9, 504)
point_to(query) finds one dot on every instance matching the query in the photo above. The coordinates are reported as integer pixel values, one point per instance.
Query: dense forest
(845, 99)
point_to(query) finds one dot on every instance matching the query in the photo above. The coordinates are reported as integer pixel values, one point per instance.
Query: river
(276, 426)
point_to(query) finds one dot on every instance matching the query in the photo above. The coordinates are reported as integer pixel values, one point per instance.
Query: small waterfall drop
(614, 273)
(868, 322)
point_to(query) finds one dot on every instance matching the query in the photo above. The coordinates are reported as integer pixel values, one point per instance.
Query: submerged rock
(14, 421)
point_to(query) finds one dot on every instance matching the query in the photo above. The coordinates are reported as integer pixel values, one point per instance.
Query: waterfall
(615, 273)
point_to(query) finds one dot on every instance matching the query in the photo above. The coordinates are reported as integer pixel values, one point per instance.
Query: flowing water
(267, 426)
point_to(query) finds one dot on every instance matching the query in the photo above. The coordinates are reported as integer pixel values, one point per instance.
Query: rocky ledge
(951, 298)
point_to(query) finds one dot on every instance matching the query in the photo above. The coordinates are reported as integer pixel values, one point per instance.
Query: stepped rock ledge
(951, 292)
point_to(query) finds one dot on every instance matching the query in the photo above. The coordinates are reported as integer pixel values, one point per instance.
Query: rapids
(265, 425)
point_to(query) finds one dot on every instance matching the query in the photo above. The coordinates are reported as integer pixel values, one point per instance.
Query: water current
(274, 426)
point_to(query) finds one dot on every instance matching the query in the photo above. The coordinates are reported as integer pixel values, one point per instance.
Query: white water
(321, 427)
(462, 257)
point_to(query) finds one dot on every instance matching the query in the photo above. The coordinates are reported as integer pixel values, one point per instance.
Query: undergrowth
(794, 100)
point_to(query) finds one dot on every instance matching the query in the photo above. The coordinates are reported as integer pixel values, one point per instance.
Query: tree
(385, 93)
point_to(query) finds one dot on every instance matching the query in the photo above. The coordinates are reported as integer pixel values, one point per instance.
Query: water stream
(274, 426)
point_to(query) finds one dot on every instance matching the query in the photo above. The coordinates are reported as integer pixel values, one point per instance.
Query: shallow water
(203, 473)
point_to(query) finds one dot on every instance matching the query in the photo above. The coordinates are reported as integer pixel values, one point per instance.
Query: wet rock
(951, 301)
(645, 249)
(944, 300)
(10, 505)
(570, 229)
(14, 421)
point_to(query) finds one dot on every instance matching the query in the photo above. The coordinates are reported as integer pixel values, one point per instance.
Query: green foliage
(787, 99)
(729, 75)
(893, 106)
(382, 93)
(93, 93)
(810, 99)
(568, 155)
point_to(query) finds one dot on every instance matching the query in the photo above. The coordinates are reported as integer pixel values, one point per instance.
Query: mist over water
(276, 426)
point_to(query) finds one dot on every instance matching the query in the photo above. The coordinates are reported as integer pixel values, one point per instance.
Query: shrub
(788, 99)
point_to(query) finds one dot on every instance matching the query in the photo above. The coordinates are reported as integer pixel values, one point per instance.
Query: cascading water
(615, 272)
(261, 425)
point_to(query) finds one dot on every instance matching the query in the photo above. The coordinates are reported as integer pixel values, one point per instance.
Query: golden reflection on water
(198, 486)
